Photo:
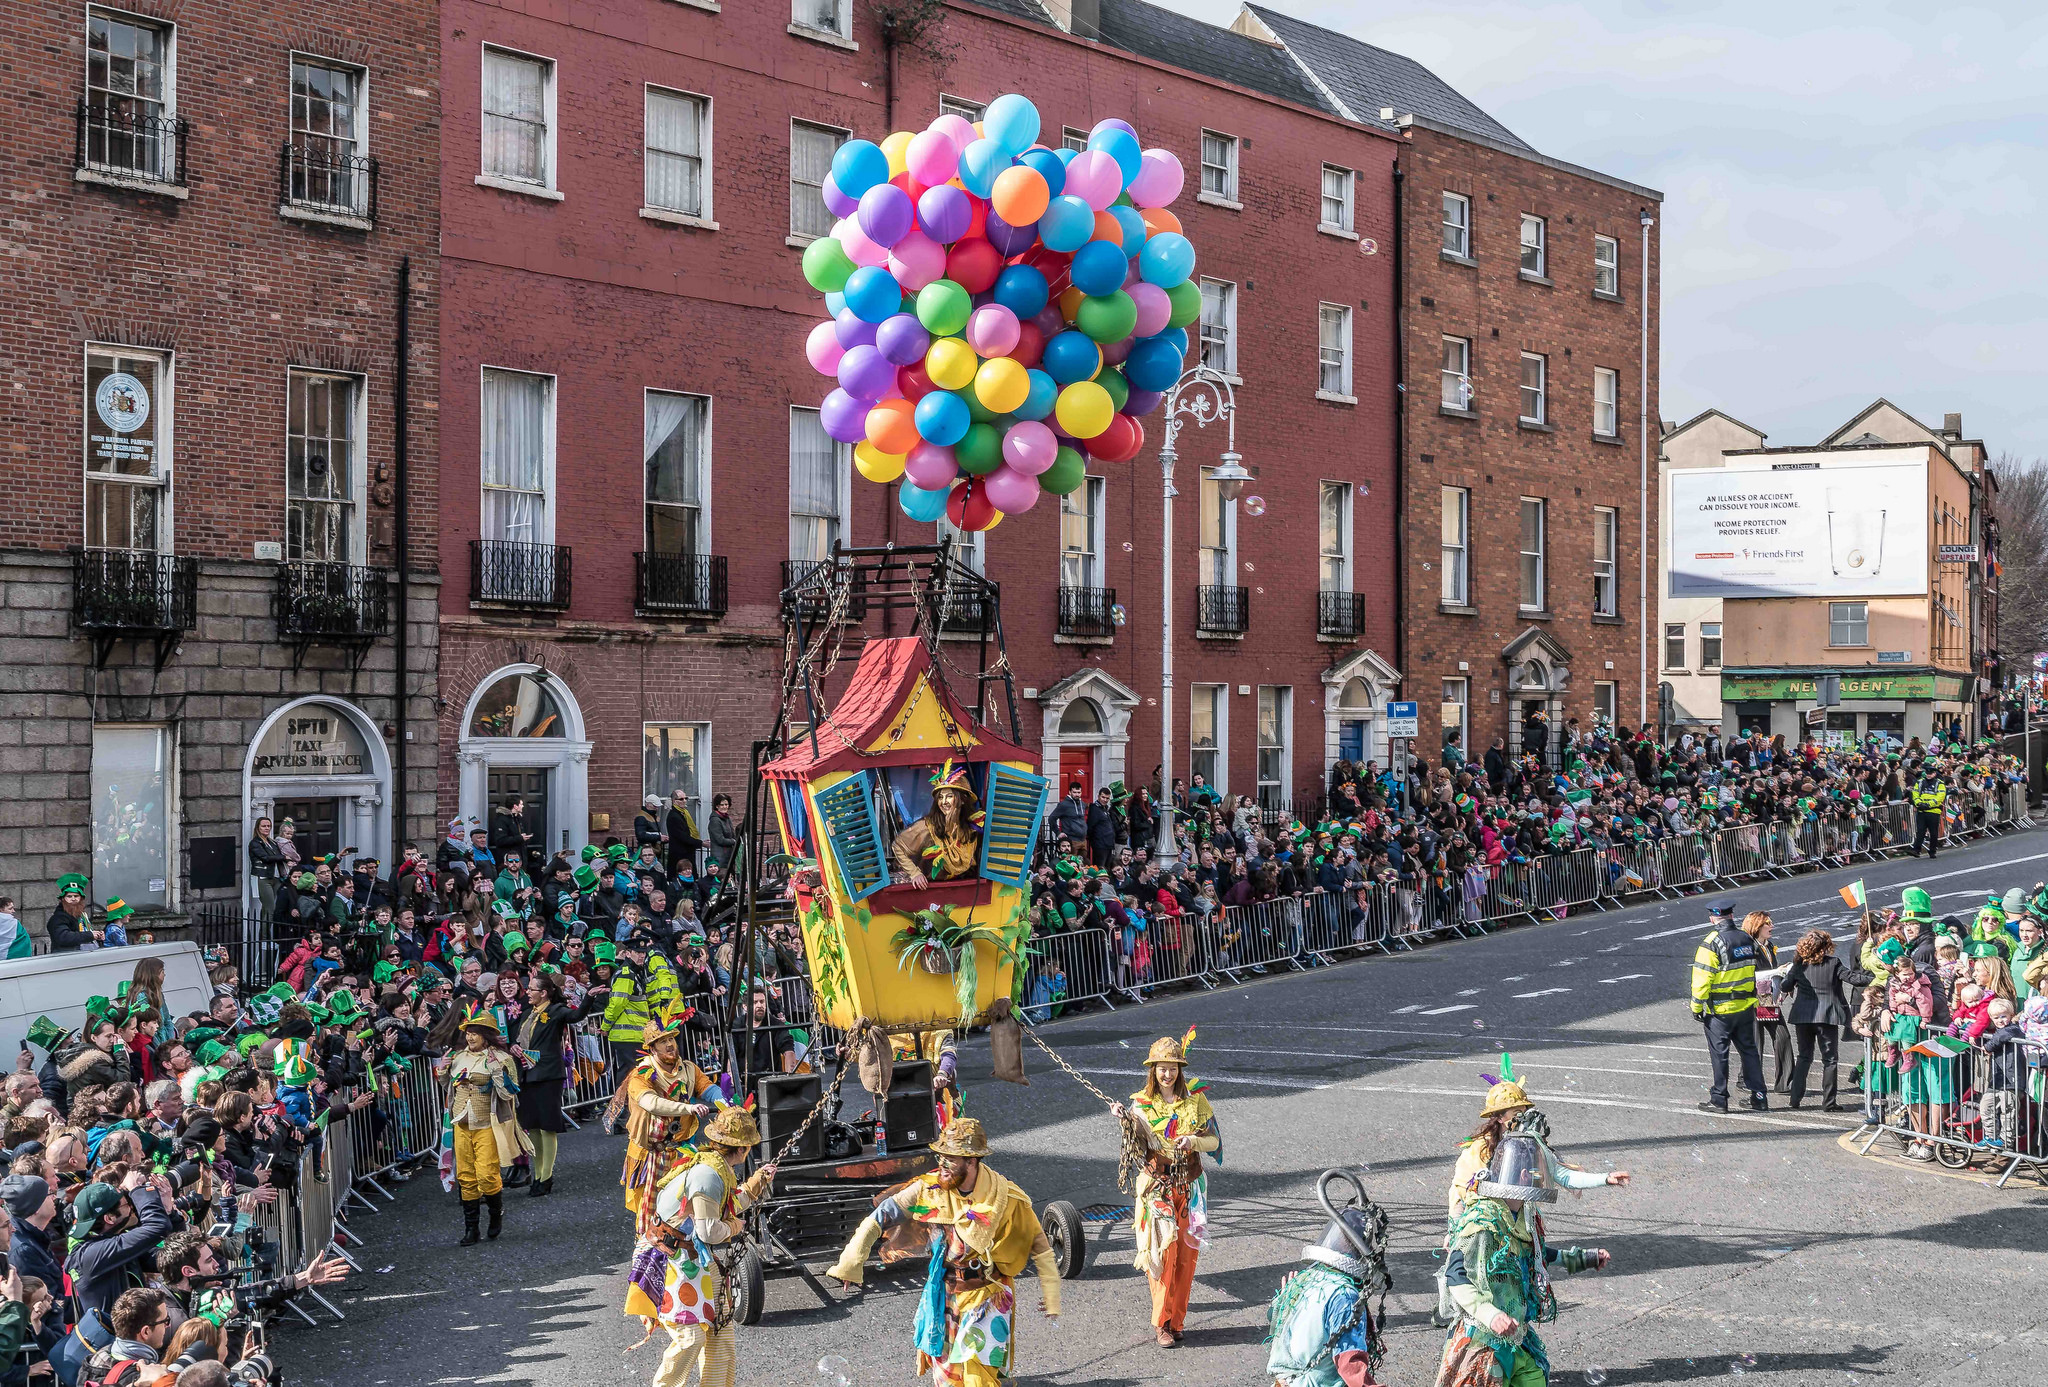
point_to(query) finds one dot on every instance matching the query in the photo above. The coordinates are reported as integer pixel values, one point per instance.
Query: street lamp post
(1204, 396)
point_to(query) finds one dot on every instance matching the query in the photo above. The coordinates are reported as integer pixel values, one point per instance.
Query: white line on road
(1967, 871)
(1667, 933)
(1445, 1011)
(1412, 1006)
(1626, 976)
(1471, 992)
(1524, 996)
(1560, 1035)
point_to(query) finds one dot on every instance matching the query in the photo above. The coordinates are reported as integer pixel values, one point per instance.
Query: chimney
(1082, 18)
(1952, 426)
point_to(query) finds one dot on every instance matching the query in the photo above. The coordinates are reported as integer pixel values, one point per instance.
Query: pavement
(1749, 1245)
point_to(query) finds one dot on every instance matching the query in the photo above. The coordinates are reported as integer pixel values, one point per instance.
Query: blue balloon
(942, 418)
(1022, 289)
(1133, 227)
(1176, 335)
(921, 505)
(1152, 365)
(980, 162)
(1122, 146)
(1012, 122)
(835, 302)
(1050, 166)
(1167, 259)
(1067, 224)
(858, 166)
(873, 294)
(1071, 356)
(1098, 268)
(1065, 156)
(1045, 393)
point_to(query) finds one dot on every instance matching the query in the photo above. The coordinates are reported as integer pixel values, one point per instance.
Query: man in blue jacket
(113, 1232)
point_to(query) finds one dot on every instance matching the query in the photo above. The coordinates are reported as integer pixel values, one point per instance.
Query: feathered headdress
(952, 777)
(1504, 1092)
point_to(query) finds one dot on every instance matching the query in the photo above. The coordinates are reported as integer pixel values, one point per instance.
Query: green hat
(384, 971)
(515, 944)
(586, 876)
(1981, 948)
(617, 852)
(293, 1068)
(211, 1052)
(118, 909)
(565, 906)
(93, 1203)
(265, 1006)
(1946, 940)
(199, 1035)
(72, 883)
(1992, 903)
(306, 881)
(1891, 951)
(504, 909)
(341, 1005)
(98, 1009)
(1916, 904)
(251, 1043)
(46, 1034)
(603, 951)
(589, 851)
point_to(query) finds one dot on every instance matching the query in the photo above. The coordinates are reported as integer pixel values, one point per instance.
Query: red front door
(1077, 763)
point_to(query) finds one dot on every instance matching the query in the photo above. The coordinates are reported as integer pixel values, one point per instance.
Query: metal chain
(1136, 1146)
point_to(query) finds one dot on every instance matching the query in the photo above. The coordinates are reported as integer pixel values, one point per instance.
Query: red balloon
(1030, 345)
(978, 224)
(1119, 442)
(913, 381)
(973, 265)
(909, 185)
(968, 507)
(1044, 258)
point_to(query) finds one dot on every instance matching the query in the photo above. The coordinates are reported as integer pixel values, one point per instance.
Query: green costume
(1498, 1262)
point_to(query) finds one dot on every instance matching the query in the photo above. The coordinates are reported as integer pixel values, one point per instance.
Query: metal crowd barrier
(1962, 1132)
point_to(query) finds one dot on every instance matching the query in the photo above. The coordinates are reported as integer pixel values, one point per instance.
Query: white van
(57, 985)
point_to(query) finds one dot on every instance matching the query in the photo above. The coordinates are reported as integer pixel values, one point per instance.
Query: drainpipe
(401, 407)
(1643, 494)
(1400, 437)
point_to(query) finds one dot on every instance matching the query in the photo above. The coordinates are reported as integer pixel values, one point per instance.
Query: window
(133, 779)
(1606, 402)
(1451, 713)
(1606, 540)
(1458, 225)
(1208, 712)
(970, 547)
(329, 129)
(1710, 645)
(323, 467)
(678, 138)
(675, 447)
(825, 16)
(130, 100)
(1219, 166)
(1606, 266)
(1533, 576)
(518, 456)
(1333, 349)
(1457, 512)
(1457, 373)
(1219, 326)
(1603, 704)
(1674, 645)
(1848, 623)
(1534, 370)
(1070, 138)
(811, 148)
(677, 756)
(1276, 730)
(817, 487)
(127, 449)
(1081, 536)
(519, 103)
(1333, 526)
(1218, 535)
(1535, 258)
(1337, 197)
(969, 111)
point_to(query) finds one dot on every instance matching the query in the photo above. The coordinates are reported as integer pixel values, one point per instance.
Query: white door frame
(365, 822)
(566, 758)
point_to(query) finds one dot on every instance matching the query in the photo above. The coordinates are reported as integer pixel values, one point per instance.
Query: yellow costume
(928, 847)
(483, 1124)
(656, 1099)
(1170, 1207)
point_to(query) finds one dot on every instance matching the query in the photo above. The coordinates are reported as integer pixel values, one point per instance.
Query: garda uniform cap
(963, 1137)
(1517, 1171)
(734, 1127)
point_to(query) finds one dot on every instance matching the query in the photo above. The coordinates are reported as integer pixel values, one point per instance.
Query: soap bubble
(1595, 1374)
(834, 1371)
(1747, 1360)
(1699, 1157)
(1478, 1025)
(1254, 505)
(1571, 1083)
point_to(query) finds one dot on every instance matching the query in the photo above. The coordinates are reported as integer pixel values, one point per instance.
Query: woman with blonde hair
(1170, 1217)
(1771, 1030)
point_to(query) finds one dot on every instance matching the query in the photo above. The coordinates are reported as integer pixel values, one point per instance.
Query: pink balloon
(1159, 178)
(917, 260)
(958, 129)
(1154, 308)
(931, 466)
(933, 157)
(823, 349)
(859, 249)
(1010, 491)
(1030, 448)
(1094, 178)
(1113, 353)
(992, 330)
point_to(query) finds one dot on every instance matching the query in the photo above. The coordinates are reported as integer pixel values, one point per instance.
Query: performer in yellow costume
(984, 1232)
(945, 844)
(662, 1098)
(1170, 1208)
(483, 1120)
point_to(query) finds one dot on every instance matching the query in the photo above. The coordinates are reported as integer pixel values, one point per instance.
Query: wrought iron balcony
(679, 584)
(320, 180)
(121, 594)
(967, 613)
(504, 572)
(332, 602)
(1087, 611)
(1340, 614)
(810, 587)
(130, 145)
(1223, 611)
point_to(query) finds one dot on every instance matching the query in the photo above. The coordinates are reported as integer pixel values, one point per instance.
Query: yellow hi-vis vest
(1724, 973)
(1931, 800)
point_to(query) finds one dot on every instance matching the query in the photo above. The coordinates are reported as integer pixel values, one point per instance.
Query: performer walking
(541, 1034)
(984, 1232)
(1170, 1208)
(1321, 1322)
(483, 1098)
(662, 1099)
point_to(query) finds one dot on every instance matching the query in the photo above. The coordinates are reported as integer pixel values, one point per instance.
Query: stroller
(1964, 1123)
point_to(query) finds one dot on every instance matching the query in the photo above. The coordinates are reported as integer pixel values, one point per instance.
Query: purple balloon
(1049, 321)
(902, 339)
(1112, 123)
(836, 202)
(1113, 353)
(886, 214)
(1142, 402)
(851, 331)
(866, 374)
(845, 418)
(1010, 240)
(944, 213)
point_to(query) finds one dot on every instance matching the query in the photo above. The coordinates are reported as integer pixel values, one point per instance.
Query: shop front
(1898, 704)
(321, 764)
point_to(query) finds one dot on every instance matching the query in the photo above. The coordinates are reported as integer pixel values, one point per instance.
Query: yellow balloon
(876, 465)
(897, 147)
(951, 363)
(1002, 384)
(1084, 409)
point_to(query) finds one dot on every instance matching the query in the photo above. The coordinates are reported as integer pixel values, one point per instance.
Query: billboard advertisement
(1793, 529)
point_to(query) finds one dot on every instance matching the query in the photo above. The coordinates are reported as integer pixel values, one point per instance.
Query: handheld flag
(1939, 1047)
(1852, 895)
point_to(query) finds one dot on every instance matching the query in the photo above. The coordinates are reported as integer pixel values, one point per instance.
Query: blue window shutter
(1009, 826)
(848, 811)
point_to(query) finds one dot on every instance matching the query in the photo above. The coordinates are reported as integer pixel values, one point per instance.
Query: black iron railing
(1221, 609)
(332, 601)
(1340, 614)
(148, 148)
(967, 613)
(325, 181)
(506, 572)
(127, 590)
(1087, 611)
(807, 588)
(683, 584)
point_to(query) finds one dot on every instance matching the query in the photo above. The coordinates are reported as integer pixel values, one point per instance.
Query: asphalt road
(1750, 1244)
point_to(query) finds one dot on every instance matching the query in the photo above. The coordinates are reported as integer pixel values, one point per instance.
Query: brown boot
(1166, 1337)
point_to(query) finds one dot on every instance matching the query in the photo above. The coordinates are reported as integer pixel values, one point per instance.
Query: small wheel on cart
(749, 1288)
(1068, 1236)
(1954, 1155)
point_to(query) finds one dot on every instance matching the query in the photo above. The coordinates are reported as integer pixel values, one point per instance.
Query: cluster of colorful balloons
(1001, 312)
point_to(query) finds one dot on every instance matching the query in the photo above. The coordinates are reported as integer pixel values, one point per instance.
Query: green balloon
(1109, 318)
(943, 306)
(980, 452)
(1069, 469)
(976, 410)
(1186, 298)
(1112, 380)
(826, 265)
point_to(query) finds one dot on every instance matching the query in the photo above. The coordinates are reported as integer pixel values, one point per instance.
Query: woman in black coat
(541, 1074)
(1815, 1002)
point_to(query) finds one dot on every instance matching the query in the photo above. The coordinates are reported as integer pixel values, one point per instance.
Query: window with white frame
(1081, 535)
(1603, 703)
(1219, 166)
(1219, 326)
(518, 438)
(1337, 185)
(131, 100)
(1535, 253)
(1710, 645)
(1208, 713)
(1455, 552)
(1848, 623)
(1606, 402)
(970, 547)
(1276, 732)
(817, 487)
(1333, 349)
(677, 756)
(1674, 645)
(1217, 535)
(678, 145)
(127, 449)
(825, 16)
(969, 111)
(1606, 581)
(519, 100)
(1606, 265)
(1452, 713)
(323, 467)
(811, 148)
(1535, 388)
(675, 445)
(327, 166)
(1457, 225)
(1070, 138)
(134, 783)
(1333, 530)
(1457, 373)
(1534, 538)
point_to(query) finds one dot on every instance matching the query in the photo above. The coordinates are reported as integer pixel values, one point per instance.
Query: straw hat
(963, 1137)
(734, 1127)
(1505, 1096)
(1165, 1050)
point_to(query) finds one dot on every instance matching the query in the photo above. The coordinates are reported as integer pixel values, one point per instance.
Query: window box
(1088, 612)
(679, 584)
(511, 573)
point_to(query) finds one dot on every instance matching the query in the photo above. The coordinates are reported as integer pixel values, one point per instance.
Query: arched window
(518, 705)
(1355, 697)
(1081, 718)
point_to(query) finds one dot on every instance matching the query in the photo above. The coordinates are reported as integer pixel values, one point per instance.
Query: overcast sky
(1853, 192)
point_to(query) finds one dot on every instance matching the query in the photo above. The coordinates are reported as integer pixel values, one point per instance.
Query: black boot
(518, 1175)
(496, 1204)
(471, 1211)
(540, 1187)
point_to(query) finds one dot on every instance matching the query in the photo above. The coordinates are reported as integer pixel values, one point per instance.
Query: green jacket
(1495, 1261)
(637, 995)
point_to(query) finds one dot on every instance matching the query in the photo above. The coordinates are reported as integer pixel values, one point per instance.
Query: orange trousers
(1176, 1279)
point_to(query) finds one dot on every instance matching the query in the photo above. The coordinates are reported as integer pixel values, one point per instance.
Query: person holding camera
(112, 1230)
(200, 1280)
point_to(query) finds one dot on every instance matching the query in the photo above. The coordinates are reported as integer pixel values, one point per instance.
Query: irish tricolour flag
(1852, 895)
(1939, 1047)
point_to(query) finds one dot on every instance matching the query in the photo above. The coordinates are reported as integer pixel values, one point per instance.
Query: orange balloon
(1020, 195)
(1158, 219)
(891, 426)
(1107, 228)
(1070, 302)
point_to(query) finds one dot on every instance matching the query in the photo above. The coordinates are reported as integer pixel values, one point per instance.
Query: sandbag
(877, 1062)
(1006, 1043)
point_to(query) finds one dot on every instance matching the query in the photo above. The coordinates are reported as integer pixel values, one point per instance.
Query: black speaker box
(782, 1101)
(907, 1114)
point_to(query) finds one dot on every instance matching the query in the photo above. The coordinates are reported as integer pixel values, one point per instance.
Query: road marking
(1403, 1011)
(1560, 1038)
(1523, 996)
(1682, 929)
(1922, 881)
(1471, 992)
(1626, 976)
(1516, 978)
(1444, 1011)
